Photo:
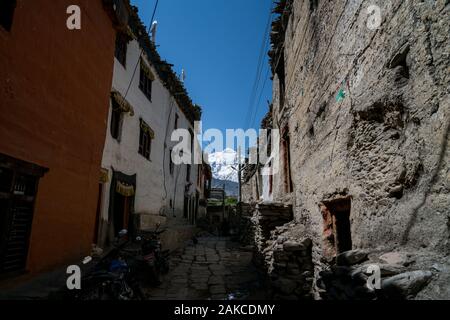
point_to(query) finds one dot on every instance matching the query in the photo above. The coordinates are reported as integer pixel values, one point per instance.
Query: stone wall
(246, 228)
(288, 259)
(367, 114)
(248, 194)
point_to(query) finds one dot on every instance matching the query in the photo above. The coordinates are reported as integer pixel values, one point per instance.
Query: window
(145, 81)
(7, 8)
(145, 140)
(121, 48)
(18, 189)
(116, 121)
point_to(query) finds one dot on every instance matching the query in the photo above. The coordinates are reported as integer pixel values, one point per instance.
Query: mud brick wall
(368, 115)
(367, 112)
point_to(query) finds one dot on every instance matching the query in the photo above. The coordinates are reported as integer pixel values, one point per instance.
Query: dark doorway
(337, 226)
(122, 212)
(121, 205)
(341, 214)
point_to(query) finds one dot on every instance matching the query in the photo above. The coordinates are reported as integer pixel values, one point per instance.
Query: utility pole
(239, 174)
(239, 170)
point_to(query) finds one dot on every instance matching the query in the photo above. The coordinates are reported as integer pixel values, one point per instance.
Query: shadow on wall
(433, 180)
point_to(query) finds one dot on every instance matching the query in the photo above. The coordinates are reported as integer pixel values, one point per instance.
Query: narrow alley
(280, 150)
(215, 268)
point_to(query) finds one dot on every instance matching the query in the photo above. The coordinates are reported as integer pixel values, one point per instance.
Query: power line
(259, 69)
(142, 51)
(276, 66)
(259, 99)
(265, 81)
(255, 106)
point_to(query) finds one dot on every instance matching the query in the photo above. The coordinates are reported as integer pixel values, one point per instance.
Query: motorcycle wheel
(95, 293)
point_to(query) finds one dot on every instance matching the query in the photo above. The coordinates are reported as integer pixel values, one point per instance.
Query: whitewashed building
(140, 185)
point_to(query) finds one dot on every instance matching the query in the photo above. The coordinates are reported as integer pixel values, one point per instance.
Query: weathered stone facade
(364, 116)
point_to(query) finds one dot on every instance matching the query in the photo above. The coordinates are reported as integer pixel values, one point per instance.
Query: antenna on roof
(183, 75)
(153, 31)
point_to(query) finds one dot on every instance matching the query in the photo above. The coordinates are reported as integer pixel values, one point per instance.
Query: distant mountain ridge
(222, 164)
(224, 174)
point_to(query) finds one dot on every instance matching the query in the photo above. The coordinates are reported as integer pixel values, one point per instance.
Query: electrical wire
(259, 70)
(142, 51)
(259, 99)
(256, 84)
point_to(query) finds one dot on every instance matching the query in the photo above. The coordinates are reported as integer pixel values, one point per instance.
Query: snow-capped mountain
(222, 163)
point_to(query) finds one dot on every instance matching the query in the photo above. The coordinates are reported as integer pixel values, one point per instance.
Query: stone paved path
(215, 269)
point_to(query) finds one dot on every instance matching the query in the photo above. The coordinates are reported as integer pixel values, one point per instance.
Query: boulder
(406, 285)
(396, 258)
(386, 270)
(350, 258)
(292, 246)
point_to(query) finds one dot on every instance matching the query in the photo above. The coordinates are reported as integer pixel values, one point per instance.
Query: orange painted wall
(54, 98)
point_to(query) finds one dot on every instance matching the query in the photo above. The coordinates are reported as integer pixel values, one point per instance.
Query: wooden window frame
(145, 84)
(145, 142)
(116, 121)
(121, 48)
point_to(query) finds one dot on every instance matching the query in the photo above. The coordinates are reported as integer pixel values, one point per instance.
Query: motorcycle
(156, 259)
(114, 277)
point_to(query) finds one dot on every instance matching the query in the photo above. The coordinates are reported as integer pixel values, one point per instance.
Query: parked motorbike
(118, 275)
(156, 260)
(114, 277)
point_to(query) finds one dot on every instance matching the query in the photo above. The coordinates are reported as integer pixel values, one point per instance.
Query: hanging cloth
(124, 189)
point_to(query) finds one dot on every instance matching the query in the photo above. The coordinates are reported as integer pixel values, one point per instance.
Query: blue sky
(218, 43)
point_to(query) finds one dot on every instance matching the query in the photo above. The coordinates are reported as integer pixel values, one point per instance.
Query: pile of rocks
(246, 227)
(288, 259)
(355, 276)
(266, 218)
(246, 209)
